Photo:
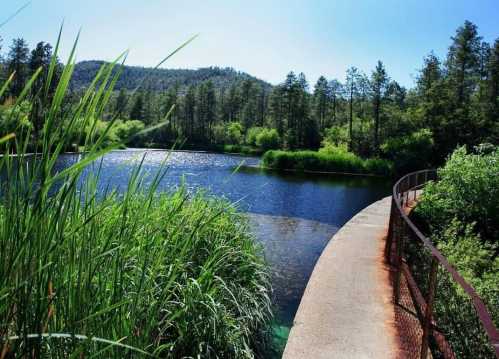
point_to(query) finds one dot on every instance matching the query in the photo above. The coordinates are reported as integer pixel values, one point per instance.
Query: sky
(265, 38)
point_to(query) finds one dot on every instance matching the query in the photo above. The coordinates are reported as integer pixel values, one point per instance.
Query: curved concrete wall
(346, 310)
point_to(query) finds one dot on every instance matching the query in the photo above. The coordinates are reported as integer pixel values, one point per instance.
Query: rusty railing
(452, 320)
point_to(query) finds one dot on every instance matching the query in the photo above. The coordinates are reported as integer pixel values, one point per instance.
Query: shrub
(461, 214)
(267, 139)
(335, 136)
(234, 133)
(128, 131)
(251, 135)
(410, 153)
(467, 189)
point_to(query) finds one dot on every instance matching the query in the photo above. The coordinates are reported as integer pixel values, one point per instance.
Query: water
(292, 215)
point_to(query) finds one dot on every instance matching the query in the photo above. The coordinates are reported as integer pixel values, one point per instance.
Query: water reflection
(292, 246)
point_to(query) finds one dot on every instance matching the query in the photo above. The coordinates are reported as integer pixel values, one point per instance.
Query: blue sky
(264, 38)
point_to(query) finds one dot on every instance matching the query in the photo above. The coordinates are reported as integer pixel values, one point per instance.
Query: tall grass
(113, 275)
(326, 161)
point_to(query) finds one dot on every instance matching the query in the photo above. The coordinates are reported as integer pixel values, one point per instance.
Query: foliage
(456, 98)
(461, 212)
(411, 152)
(113, 275)
(234, 133)
(335, 136)
(467, 189)
(267, 139)
(251, 135)
(330, 161)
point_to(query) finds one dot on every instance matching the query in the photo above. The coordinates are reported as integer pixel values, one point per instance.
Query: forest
(455, 101)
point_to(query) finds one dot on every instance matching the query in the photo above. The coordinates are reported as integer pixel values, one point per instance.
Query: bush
(461, 213)
(228, 133)
(128, 131)
(267, 139)
(410, 153)
(251, 135)
(234, 133)
(335, 136)
(325, 161)
(467, 189)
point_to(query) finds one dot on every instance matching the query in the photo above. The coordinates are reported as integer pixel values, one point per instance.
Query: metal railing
(452, 320)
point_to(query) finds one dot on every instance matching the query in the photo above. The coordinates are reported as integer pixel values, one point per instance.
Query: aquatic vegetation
(326, 161)
(135, 273)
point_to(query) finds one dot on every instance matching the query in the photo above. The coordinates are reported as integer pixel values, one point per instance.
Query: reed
(90, 273)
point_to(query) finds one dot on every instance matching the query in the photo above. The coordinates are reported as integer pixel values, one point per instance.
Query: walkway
(346, 310)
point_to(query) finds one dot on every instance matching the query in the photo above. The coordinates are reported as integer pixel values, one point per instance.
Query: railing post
(400, 253)
(427, 324)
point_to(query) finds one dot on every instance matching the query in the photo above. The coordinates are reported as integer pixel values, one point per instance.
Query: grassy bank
(322, 161)
(86, 273)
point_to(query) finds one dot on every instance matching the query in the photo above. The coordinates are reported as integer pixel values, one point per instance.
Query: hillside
(161, 79)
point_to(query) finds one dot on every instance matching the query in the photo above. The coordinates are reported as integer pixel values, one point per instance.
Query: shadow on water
(293, 215)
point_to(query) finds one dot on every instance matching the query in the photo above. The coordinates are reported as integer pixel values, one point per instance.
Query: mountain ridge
(161, 79)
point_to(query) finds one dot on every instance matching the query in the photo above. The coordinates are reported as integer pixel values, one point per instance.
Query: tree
(463, 63)
(276, 109)
(379, 83)
(321, 99)
(428, 76)
(492, 107)
(336, 89)
(396, 94)
(18, 63)
(189, 112)
(41, 57)
(352, 90)
(170, 107)
(137, 111)
(121, 102)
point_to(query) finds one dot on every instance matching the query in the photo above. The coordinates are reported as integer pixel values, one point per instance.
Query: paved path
(346, 310)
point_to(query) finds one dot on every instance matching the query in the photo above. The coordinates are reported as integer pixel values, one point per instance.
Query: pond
(292, 215)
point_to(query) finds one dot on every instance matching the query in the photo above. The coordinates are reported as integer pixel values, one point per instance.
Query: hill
(161, 79)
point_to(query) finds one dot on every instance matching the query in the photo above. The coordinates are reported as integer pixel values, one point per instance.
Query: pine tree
(121, 102)
(463, 63)
(189, 108)
(379, 81)
(492, 108)
(428, 76)
(18, 62)
(352, 81)
(321, 98)
(137, 111)
(276, 109)
(40, 57)
(336, 90)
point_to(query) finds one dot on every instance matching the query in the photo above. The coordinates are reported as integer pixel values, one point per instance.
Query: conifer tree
(18, 63)
(379, 81)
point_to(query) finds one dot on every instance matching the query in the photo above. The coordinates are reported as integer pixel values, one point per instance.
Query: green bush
(267, 139)
(461, 215)
(335, 136)
(468, 189)
(251, 135)
(326, 161)
(410, 153)
(234, 133)
(128, 131)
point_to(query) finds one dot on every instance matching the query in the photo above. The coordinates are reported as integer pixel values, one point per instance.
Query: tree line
(455, 101)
